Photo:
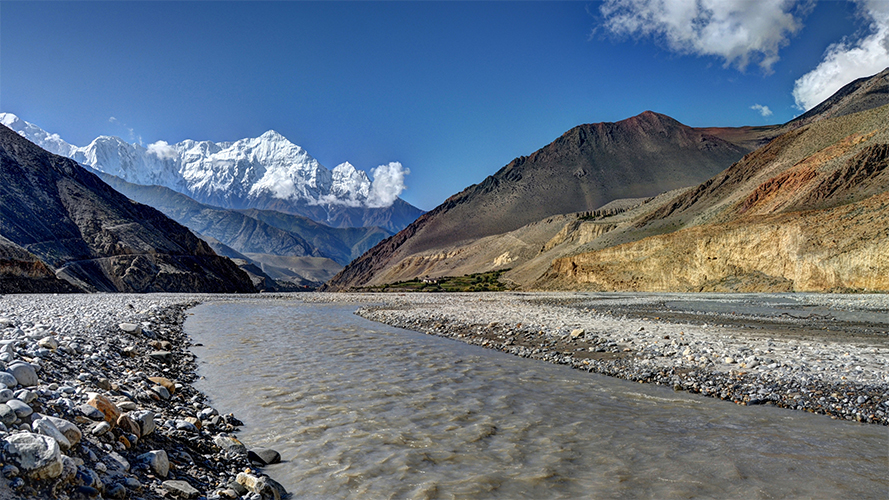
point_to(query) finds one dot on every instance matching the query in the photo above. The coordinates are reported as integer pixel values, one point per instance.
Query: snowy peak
(50, 142)
(229, 174)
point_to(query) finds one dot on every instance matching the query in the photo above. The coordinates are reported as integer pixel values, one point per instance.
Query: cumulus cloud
(388, 184)
(851, 58)
(738, 31)
(162, 150)
(763, 110)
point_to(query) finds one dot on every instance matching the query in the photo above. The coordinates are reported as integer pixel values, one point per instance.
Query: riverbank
(97, 401)
(825, 354)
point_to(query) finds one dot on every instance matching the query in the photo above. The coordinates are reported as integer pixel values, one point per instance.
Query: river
(363, 410)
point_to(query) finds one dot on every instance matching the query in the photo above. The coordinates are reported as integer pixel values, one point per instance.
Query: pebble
(732, 363)
(80, 393)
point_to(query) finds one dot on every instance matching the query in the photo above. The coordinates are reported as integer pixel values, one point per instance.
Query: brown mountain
(817, 181)
(588, 167)
(94, 237)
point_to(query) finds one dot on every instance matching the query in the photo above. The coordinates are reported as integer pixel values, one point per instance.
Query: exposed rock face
(808, 213)
(97, 238)
(22, 272)
(843, 249)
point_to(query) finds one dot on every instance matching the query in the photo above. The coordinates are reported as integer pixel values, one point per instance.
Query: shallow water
(362, 410)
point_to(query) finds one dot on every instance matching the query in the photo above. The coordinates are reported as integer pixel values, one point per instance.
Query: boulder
(36, 455)
(24, 373)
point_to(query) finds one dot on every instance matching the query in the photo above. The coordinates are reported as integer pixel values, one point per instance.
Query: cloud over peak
(388, 184)
(738, 31)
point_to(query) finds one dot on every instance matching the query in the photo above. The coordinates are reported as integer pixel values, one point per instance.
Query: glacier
(229, 174)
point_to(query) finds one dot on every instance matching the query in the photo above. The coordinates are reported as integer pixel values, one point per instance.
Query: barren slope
(586, 168)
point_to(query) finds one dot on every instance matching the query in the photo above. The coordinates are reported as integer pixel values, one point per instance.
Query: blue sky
(452, 90)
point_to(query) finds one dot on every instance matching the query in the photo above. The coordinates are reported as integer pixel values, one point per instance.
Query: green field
(481, 282)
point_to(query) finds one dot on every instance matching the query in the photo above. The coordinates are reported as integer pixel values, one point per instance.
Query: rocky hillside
(809, 212)
(22, 272)
(94, 237)
(588, 167)
(805, 172)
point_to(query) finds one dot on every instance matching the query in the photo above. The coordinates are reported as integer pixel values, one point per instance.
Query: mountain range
(651, 204)
(267, 172)
(63, 229)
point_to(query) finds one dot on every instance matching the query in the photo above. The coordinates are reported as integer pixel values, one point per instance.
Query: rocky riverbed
(96, 402)
(825, 354)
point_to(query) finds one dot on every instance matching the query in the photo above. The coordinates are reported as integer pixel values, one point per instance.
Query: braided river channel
(361, 410)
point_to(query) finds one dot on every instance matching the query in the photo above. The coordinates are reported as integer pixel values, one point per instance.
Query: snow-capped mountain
(266, 171)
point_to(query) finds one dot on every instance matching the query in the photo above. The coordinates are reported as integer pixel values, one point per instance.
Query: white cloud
(763, 110)
(738, 31)
(112, 119)
(388, 184)
(849, 59)
(162, 150)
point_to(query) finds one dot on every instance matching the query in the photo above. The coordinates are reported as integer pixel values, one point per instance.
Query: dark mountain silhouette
(96, 238)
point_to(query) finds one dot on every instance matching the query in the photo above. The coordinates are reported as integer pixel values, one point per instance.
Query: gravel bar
(825, 354)
(96, 402)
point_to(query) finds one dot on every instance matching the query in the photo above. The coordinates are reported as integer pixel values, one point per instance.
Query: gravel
(99, 404)
(743, 348)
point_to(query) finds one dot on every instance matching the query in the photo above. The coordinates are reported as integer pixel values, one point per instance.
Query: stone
(48, 343)
(103, 383)
(8, 379)
(264, 456)
(91, 412)
(126, 405)
(100, 428)
(165, 383)
(25, 396)
(161, 391)
(116, 490)
(89, 478)
(131, 328)
(184, 425)
(262, 485)
(21, 409)
(9, 471)
(69, 468)
(206, 413)
(47, 428)
(162, 356)
(157, 461)
(69, 429)
(103, 404)
(24, 373)
(38, 456)
(577, 333)
(115, 462)
(180, 488)
(194, 421)
(146, 421)
(7, 416)
(127, 424)
(5, 395)
(230, 444)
